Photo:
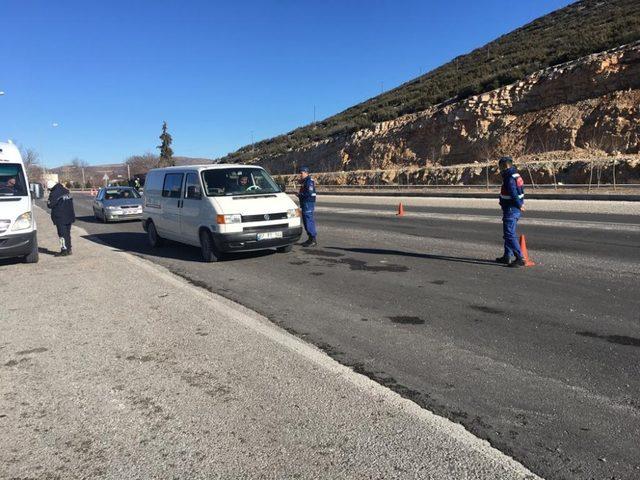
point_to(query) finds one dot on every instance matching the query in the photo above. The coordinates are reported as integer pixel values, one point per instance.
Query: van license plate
(269, 235)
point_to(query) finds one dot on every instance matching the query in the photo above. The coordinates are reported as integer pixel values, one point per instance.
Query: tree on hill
(31, 160)
(140, 164)
(166, 153)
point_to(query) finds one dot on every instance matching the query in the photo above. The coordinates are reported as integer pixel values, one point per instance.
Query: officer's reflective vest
(512, 191)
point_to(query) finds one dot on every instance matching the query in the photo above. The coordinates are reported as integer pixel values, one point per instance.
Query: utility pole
(128, 172)
(84, 184)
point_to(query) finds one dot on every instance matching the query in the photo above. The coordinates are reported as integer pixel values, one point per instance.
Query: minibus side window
(172, 185)
(192, 188)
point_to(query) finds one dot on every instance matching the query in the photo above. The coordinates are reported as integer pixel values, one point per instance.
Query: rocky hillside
(582, 108)
(492, 101)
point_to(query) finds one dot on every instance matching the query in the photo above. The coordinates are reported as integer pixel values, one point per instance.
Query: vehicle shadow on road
(88, 219)
(428, 256)
(137, 244)
(93, 219)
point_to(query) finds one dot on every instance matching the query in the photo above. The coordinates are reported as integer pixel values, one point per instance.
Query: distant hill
(117, 172)
(582, 28)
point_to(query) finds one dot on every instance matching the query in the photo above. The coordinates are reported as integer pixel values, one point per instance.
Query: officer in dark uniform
(307, 197)
(512, 203)
(62, 215)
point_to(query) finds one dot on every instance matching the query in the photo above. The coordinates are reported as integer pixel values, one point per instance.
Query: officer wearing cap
(307, 197)
(512, 203)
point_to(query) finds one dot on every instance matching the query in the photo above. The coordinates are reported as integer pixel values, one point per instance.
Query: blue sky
(108, 73)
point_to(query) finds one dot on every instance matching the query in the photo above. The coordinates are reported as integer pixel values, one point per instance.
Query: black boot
(517, 263)
(62, 253)
(311, 242)
(504, 260)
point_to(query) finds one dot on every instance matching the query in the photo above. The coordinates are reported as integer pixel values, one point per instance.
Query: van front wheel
(155, 240)
(206, 247)
(33, 255)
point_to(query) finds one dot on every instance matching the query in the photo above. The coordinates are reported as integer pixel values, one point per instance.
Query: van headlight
(23, 222)
(227, 219)
(110, 207)
(293, 213)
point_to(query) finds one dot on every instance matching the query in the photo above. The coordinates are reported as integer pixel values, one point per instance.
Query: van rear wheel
(155, 240)
(207, 247)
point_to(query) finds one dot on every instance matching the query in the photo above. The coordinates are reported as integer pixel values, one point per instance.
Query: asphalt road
(543, 362)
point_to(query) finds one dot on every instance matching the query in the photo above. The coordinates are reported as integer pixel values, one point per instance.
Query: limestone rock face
(588, 105)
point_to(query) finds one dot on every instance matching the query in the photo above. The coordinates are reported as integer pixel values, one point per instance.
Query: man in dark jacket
(307, 197)
(512, 203)
(62, 215)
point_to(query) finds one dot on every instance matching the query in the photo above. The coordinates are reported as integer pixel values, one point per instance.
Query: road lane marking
(621, 227)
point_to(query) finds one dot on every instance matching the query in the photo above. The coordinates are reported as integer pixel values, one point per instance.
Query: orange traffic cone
(400, 210)
(525, 254)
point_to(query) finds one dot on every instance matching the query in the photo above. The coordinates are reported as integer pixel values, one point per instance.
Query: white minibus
(18, 236)
(219, 208)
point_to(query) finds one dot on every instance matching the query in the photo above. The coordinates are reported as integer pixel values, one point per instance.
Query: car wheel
(207, 248)
(155, 240)
(104, 217)
(285, 249)
(33, 255)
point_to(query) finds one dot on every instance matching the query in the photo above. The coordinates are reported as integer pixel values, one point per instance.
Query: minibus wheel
(155, 240)
(207, 248)
(33, 255)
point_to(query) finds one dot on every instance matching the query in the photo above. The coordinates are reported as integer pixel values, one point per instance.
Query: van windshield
(238, 181)
(12, 183)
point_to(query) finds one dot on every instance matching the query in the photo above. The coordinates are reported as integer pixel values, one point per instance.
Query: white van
(219, 208)
(18, 236)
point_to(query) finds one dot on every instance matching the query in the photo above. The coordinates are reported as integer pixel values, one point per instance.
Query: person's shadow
(46, 251)
(428, 256)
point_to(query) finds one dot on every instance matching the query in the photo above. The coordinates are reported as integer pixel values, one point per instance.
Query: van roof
(210, 166)
(9, 153)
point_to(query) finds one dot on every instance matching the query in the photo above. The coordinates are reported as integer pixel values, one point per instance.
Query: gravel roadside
(112, 367)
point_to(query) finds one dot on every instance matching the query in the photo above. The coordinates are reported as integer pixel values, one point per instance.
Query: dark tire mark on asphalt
(407, 320)
(619, 339)
(33, 350)
(485, 309)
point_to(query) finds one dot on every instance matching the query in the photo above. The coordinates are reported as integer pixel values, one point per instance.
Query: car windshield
(12, 183)
(238, 181)
(120, 193)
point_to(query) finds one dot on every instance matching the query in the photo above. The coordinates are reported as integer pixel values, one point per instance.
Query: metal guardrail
(490, 169)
